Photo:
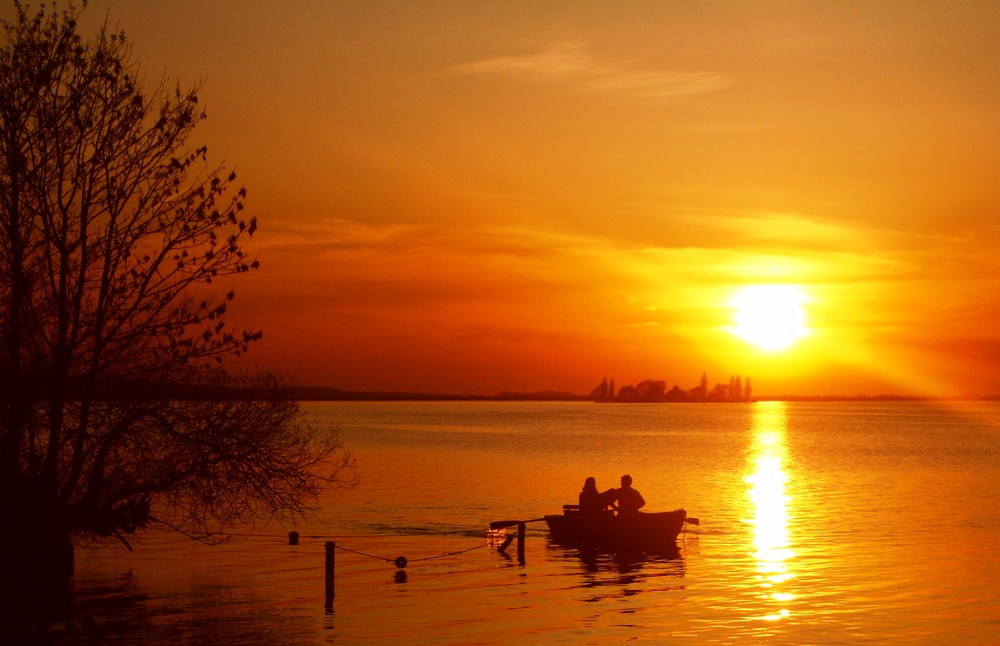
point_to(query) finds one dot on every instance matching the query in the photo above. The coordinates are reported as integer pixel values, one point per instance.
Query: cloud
(569, 63)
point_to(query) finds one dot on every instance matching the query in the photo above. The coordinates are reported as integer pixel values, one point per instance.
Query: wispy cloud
(569, 62)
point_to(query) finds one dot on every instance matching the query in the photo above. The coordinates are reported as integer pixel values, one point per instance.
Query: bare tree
(117, 245)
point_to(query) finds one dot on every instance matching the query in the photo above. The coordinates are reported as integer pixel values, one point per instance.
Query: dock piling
(331, 548)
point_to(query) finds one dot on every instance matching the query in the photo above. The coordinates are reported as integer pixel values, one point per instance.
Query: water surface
(820, 523)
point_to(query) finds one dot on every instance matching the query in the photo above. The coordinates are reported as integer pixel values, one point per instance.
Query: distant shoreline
(321, 393)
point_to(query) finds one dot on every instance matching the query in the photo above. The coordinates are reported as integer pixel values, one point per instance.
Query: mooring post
(293, 538)
(331, 548)
(506, 543)
(520, 542)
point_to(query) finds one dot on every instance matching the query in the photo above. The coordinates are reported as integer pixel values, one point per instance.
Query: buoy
(400, 562)
(293, 538)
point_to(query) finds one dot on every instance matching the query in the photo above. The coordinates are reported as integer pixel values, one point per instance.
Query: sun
(770, 317)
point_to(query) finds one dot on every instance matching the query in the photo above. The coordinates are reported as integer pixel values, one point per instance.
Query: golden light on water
(769, 507)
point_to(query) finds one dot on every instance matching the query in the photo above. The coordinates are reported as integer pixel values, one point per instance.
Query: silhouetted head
(590, 483)
(626, 480)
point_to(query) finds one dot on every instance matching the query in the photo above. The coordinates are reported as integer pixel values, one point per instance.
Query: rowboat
(641, 530)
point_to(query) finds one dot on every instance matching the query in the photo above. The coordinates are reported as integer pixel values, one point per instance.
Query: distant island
(736, 390)
(647, 391)
(655, 391)
(323, 393)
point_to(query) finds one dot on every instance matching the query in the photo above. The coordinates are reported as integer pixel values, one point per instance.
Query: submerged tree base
(36, 580)
(35, 547)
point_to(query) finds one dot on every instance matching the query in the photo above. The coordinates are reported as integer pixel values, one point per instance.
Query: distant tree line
(655, 390)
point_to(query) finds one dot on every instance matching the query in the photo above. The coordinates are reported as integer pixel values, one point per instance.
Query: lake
(874, 522)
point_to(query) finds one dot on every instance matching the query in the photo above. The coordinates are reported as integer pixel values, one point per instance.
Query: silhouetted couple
(624, 500)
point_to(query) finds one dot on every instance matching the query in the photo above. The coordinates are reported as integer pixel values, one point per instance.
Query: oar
(503, 524)
(692, 521)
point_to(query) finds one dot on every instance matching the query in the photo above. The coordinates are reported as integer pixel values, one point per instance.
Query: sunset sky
(467, 197)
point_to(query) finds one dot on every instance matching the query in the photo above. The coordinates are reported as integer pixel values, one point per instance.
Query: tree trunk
(36, 583)
(35, 547)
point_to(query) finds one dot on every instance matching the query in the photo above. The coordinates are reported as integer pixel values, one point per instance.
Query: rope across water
(397, 559)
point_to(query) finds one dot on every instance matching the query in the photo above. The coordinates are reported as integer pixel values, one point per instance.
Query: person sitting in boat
(593, 501)
(630, 501)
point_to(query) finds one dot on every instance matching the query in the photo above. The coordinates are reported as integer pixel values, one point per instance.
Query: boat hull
(644, 530)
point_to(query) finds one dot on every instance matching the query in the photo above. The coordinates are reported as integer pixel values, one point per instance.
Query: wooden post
(506, 543)
(293, 538)
(331, 548)
(520, 542)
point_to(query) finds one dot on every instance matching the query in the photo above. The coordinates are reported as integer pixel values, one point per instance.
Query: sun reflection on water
(769, 507)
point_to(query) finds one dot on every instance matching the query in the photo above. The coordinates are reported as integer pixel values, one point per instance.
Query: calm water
(820, 523)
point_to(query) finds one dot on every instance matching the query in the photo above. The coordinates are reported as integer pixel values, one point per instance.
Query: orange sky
(475, 197)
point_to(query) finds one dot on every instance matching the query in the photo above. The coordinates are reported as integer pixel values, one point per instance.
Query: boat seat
(571, 510)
